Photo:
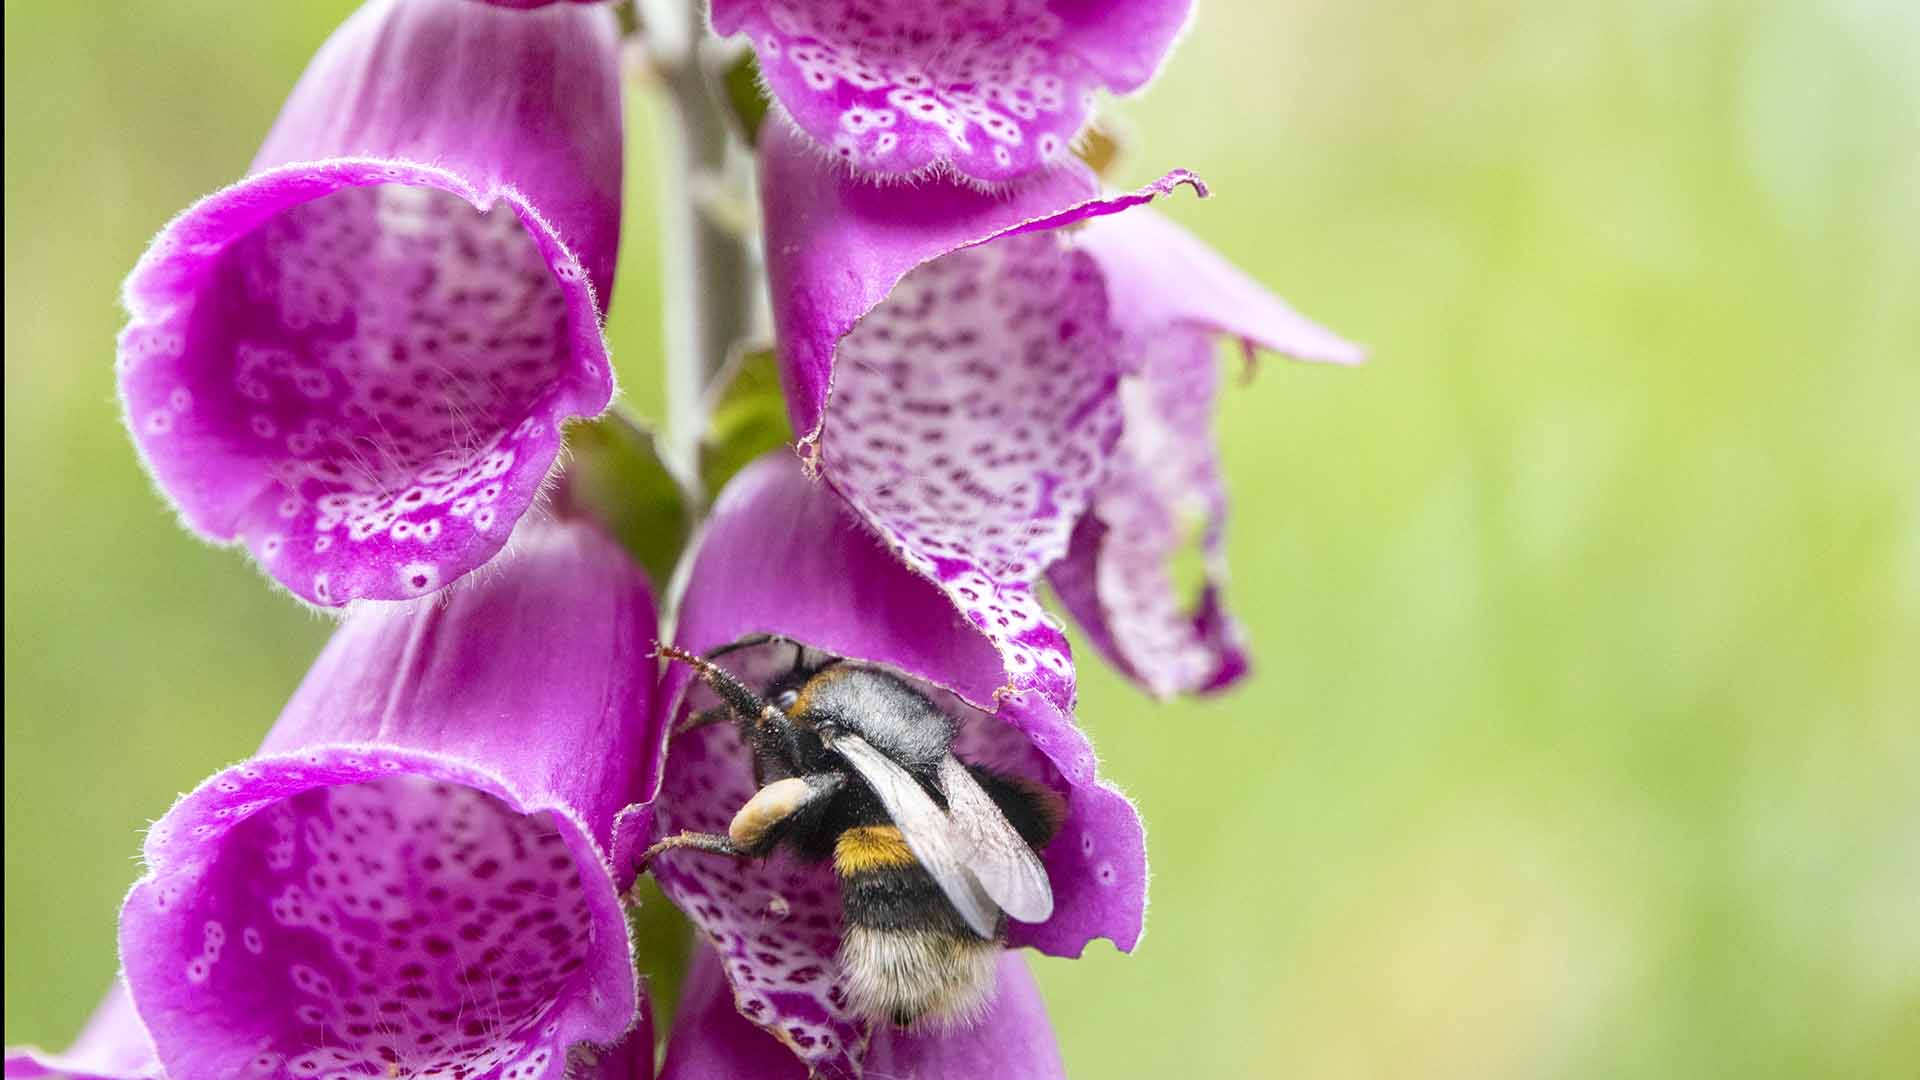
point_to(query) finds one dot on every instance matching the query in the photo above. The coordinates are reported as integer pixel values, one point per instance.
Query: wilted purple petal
(356, 361)
(113, 1046)
(1014, 1039)
(782, 555)
(410, 874)
(953, 367)
(1163, 494)
(994, 89)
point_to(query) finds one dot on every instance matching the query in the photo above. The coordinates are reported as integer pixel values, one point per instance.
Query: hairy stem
(710, 269)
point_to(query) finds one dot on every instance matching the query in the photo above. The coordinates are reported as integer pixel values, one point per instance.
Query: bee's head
(878, 706)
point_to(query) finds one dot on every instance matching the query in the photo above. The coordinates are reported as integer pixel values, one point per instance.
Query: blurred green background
(1585, 736)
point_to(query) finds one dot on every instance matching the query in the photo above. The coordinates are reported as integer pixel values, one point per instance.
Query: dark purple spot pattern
(992, 88)
(972, 416)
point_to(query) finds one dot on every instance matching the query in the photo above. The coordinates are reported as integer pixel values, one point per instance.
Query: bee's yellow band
(870, 847)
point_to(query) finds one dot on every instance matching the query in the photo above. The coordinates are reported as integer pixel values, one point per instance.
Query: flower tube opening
(411, 874)
(356, 361)
(783, 555)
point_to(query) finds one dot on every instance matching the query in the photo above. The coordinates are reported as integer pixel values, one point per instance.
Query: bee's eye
(786, 699)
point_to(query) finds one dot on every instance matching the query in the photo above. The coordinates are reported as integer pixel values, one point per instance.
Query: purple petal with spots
(411, 872)
(356, 361)
(993, 89)
(783, 555)
(1014, 1039)
(113, 1046)
(1163, 492)
(952, 363)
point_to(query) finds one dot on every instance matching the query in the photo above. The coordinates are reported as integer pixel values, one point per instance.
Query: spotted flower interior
(994, 88)
(972, 414)
(349, 914)
(366, 388)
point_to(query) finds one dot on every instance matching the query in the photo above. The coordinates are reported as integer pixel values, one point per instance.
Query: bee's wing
(1004, 865)
(926, 828)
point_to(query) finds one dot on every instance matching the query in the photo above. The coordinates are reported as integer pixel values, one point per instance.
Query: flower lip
(356, 361)
(989, 92)
(711, 1037)
(782, 555)
(355, 906)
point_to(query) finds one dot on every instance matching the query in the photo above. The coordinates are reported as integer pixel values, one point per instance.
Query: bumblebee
(932, 855)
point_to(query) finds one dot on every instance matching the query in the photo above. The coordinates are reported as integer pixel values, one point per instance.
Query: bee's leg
(743, 701)
(713, 842)
(703, 719)
(760, 824)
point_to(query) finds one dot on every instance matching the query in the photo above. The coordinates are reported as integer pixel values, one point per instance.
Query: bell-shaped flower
(356, 361)
(112, 1046)
(1173, 298)
(1013, 1038)
(962, 367)
(410, 877)
(991, 90)
(781, 555)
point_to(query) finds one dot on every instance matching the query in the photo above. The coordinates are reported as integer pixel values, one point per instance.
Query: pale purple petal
(113, 1046)
(783, 555)
(952, 365)
(1159, 275)
(994, 89)
(1014, 1039)
(411, 872)
(356, 361)
(1163, 494)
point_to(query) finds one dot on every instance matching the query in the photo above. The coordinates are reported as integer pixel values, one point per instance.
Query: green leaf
(746, 417)
(740, 84)
(662, 949)
(618, 477)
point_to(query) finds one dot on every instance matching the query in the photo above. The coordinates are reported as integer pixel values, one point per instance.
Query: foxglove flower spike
(411, 872)
(356, 361)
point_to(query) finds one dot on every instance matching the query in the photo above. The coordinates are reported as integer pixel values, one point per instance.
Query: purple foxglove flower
(962, 371)
(410, 874)
(113, 1046)
(782, 555)
(356, 361)
(711, 1039)
(992, 89)
(952, 368)
(1173, 297)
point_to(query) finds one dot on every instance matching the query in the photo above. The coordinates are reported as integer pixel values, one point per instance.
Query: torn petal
(782, 555)
(411, 873)
(356, 361)
(1163, 501)
(992, 90)
(113, 1046)
(1014, 1039)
